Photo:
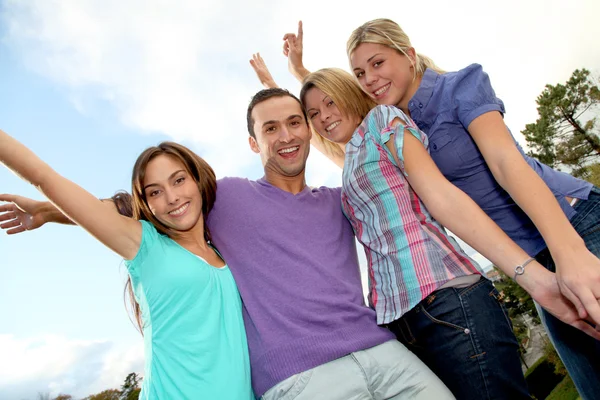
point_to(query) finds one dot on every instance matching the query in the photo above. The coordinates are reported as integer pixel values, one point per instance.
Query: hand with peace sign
(292, 49)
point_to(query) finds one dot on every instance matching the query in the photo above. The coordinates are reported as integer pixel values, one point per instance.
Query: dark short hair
(266, 94)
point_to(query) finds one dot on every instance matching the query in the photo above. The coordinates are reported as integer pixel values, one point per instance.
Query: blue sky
(59, 281)
(89, 84)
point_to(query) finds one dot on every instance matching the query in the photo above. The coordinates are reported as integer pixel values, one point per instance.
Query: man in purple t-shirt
(292, 253)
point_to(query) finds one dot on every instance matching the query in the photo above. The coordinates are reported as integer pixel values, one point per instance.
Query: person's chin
(182, 227)
(175, 224)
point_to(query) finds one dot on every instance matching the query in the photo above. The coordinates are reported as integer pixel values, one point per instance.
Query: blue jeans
(579, 352)
(465, 336)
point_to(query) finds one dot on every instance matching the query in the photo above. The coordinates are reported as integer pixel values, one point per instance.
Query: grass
(535, 365)
(565, 390)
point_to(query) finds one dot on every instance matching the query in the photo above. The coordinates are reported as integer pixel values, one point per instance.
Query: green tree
(553, 358)
(130, 389)
(566, 132)
(593, 174)
(63, 397)
(109, 394)
(516, 299)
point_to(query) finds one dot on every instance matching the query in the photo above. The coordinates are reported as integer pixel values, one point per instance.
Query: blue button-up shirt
(443, 107)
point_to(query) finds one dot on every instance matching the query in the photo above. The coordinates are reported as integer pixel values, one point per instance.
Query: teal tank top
(195, 342)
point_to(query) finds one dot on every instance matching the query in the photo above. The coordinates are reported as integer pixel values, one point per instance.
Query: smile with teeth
(180, 210)
(333, 126)
(288, 150)
(382, 90)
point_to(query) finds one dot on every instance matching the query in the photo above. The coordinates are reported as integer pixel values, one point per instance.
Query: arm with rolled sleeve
(480, 112)
(408, 148)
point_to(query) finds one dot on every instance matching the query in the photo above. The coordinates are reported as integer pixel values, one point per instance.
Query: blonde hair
(347, 96)
(388, 33)
(343, 90)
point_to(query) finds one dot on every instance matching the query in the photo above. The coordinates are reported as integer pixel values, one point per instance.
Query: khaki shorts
(387, 371)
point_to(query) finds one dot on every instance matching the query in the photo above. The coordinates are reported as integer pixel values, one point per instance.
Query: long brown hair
(202, 174)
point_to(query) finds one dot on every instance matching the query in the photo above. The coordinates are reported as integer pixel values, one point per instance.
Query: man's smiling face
(282, 136)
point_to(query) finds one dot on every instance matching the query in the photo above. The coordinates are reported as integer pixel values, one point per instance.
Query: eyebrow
(368, 61)
(322, 101)
(287, 119)
(170, 177)
(373, 56)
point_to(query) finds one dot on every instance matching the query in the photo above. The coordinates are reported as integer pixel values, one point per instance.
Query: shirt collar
(357, 137)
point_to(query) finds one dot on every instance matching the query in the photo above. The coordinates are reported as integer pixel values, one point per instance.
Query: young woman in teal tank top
(187, 303)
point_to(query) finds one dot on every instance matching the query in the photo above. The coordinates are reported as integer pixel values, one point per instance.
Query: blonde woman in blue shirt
(551, 215)
(187, 301)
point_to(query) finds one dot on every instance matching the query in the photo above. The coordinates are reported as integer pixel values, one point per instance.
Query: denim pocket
(401, 328)
(441, 322)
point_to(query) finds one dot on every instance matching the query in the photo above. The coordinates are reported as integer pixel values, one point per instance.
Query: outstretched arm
(577, 269)
(262, 72)
(292, 49)
(443, 199)
(23, 214)
(335, 152)
(121, 234)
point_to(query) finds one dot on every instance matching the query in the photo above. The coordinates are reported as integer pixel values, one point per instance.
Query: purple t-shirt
(295, 264)
(443, 107)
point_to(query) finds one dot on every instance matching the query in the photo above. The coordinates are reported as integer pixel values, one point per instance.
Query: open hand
(20, 214)
(262, 72)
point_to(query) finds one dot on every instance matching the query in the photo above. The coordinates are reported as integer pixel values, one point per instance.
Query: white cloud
(181, 68)
(164, 68)
(56, 364)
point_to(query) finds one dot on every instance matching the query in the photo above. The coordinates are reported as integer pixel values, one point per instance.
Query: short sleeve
(473, 94)
(383, 116)
(228, 190)
(335, 191)
(150, 236)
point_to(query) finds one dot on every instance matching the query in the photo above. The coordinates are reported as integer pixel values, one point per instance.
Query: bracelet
(520, 269)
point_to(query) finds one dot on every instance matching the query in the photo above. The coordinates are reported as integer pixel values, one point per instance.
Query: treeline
(130, 390)
(565, 136)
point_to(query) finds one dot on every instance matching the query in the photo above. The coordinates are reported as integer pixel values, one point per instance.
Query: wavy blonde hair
(388, 33)
(343, 90)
